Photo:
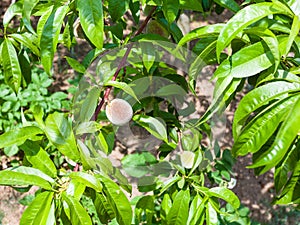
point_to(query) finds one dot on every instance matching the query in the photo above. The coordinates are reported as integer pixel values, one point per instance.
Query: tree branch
(121, 65)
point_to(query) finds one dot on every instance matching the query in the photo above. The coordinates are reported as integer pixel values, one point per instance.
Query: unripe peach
(187, 159)
(119, 112)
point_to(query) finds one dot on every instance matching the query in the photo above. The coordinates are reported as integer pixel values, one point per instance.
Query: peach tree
(149, 71)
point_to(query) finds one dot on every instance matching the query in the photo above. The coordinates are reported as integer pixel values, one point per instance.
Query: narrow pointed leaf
(123, 86)
(261, 128)
(259, 97)
(178, 214)
(50, 34)
(13, 178)
(87, 179)
(104, 209)
(153, 126)
(39, 158)
(59, 131)
(117, 8)
(225, 194)
(28, 6)
(91, 19)
(229, 4)
(270, 39)
(293, 34)
(38, 211)
(291, 191)
(170, 9)
(13, 10)
(211, 215)
(77, 213)
(241, 63)
(245, 17)
(117, 200)
(202, 32)
(29, 40)
(11, 67)
(18, 136)
(284, 138)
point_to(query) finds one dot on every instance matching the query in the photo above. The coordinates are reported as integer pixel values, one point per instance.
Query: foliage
(262, 50)
(16, 107)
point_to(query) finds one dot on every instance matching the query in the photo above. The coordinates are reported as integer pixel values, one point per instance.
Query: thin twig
(121, 65)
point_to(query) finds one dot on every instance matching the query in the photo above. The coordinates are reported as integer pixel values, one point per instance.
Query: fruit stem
(121, 65)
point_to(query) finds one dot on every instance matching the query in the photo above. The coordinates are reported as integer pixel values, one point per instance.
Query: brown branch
(121, 65)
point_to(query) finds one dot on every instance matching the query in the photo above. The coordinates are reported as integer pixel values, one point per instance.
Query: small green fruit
(119, 112)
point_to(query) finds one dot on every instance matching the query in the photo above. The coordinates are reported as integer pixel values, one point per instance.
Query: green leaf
(171, 90)
(194, 5)
(88, 127)
(51, 215)
(170, 9)
(178, 214)
(13, 10)
(77, 213)
(229, 4)
(135, 165)
(225, 194)
(166, 205)
(145, 206)
(18, 136)
(38, 211)
(33, 171)
(50, 34)
(39, 158)
(91, 19)
(59, 131)
(293, 34)
(259, 97)
(87, 179)
(123, 86)
(75, 65)
(167, 184)
(290, 192)
(42, 21)
(270, 39)
(256, 133)
(211, 214)
(153, 125)
(148, 53)
(284, 139)
(117, 8)
(295, 6)
(76, 189)
(196, 210)
(117, 200)
(28, 6)
(104, 210)
(14, 178)
(11, 67)
(11, 150)
(27, 39)
(89, 105)
(245, 17)
(288, 164)
(198, 64)
(224, 89)
(241, 64)
(202, 32)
